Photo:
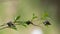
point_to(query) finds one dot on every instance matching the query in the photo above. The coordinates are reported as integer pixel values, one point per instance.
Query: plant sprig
(25, 23)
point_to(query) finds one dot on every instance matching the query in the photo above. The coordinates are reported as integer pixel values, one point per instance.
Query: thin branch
(3, 28)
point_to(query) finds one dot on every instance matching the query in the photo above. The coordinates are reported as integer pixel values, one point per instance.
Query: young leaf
(13, 27)
(34, 16)
(21, 23)
(17, 17)
(24, 25)
(44, 16)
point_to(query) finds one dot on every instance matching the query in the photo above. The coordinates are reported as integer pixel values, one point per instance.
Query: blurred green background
(9, 9)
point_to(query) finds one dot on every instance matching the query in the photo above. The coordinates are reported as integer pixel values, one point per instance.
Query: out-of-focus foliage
(44, 16)
(33, 17)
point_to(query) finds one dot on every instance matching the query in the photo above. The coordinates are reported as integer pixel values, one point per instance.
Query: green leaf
(34, 16)
(44, 16)
(17, 17)
(20, 22)
(13, 27)
(24, 25)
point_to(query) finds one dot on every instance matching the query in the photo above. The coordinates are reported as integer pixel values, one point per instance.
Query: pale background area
(11, 8)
